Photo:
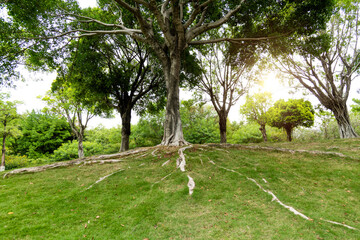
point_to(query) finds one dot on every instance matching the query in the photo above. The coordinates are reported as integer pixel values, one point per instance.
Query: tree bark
(125, 130)
(263, 132)
(289, 134)
(222, 126)
(343, 120)
(2, 166)
(173, 133)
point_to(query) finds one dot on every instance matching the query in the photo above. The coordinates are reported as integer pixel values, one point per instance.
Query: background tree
(225, 80)
(325, 117)
(199, 121)
(168, 27)
(356, 107)
(122, 72)
(327, 62)
(291, 114)
(9, 121)
(41, 134)
(255, 109)
(62, 100)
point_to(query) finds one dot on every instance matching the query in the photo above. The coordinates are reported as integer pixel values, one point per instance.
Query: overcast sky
(37, 83)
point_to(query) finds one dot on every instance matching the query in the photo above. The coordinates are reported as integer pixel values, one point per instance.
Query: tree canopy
(291, 114)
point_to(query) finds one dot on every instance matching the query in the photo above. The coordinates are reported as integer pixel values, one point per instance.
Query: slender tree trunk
(289, 134)
(2, 167)
(173, 133)
(222, 126)
(80, 146)
(343, 120)
(263, 132)
(125, 130)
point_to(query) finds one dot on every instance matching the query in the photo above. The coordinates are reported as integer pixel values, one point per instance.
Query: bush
(250, 133)
(69, 150)
(13, 161)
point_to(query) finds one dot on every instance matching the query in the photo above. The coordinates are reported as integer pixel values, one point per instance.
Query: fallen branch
(102, 178)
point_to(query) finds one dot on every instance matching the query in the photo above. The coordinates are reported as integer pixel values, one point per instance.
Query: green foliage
(249, 133)
(256, 106)
(199, 122)
(9, 118)
(355, 107)
(325, 117)
(109, 138)
(69, 150)
(42, 133)
(148, 131)
(291, 114)
(15, 161)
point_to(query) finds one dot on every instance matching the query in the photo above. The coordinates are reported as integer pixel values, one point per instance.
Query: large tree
(122, 73)
(327, 62)
(169, 27)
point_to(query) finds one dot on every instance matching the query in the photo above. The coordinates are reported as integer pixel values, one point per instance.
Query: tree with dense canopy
(62, 100)
(41, 134)
(255, 109)
(123, 75)
(169, 27)
(291, 114)
(9, 121)
(328, 61)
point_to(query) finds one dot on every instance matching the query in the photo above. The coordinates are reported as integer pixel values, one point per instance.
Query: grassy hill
(240, 193)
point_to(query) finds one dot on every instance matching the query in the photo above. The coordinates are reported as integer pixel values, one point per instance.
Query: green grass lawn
(136, 203)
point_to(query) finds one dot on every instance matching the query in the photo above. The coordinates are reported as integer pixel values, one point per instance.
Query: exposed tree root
(274, 198)
(165, 163)
(341, 224)
(191, 185)
(111, 158)
(102, 178)
(103, 161)
(153, 152)
(314, 152)
(180, 162)
(162, 179)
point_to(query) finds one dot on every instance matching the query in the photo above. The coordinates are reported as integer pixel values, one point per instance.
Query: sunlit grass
(137, 204)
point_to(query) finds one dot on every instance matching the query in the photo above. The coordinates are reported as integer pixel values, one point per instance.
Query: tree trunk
(2, 167)
(263, 132)
(80, 146)
(173, 133)
(222, 126)
(289, 134)
(343, 120)
(125, 130)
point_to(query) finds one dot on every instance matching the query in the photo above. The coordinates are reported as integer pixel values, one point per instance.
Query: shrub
(13, 161)
(69, 150)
